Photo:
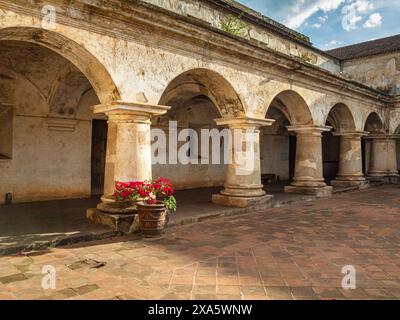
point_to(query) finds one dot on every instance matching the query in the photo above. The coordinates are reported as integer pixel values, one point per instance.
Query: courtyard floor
(38, 225)
(292, 252)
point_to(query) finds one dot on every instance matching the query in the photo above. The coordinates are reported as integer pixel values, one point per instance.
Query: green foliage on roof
(234, 25)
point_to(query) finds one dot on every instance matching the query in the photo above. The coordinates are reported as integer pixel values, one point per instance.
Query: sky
(334, 23)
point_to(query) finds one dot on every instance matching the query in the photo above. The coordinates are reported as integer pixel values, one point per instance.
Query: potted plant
(153, 200)
(126, 194)
(158, 199)
(123, 200)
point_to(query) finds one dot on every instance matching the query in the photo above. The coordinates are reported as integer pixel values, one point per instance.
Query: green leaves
(170, 203)
(234, 25)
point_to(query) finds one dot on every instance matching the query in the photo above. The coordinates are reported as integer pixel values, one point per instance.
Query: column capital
(122, 111)
(244, 122)
(351, 134)
(309, 129)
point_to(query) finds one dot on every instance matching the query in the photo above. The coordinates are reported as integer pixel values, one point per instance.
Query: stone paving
(27, 226)
(293, 252)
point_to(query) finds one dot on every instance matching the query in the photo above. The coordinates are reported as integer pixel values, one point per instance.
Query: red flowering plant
(147, 191)
(162, 189)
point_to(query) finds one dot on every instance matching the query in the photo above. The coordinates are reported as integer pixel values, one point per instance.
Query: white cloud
(319, 23)
(350, 18)
(374, 20)
(363, 5)
(353, 13)
(332, 44)
(323, 19)
(304, 9)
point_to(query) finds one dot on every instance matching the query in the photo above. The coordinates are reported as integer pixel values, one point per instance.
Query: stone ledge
(116, 209)
(393, 179)
(125, 223)
(361, 184)
(241, 202)
(388, 179)
(318, 192)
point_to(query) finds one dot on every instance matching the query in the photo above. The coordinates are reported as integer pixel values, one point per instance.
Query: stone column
(309, 178)
(383, 158)
(243, 185)
(129, 142)
(350, 162)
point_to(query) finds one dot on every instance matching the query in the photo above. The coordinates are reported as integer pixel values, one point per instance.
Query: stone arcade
(77, 101)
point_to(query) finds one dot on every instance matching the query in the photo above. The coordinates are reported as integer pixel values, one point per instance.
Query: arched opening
(55, 146)
(197, 97)
(373, 125)
(341, 120)
(82, 59)
(278, 145)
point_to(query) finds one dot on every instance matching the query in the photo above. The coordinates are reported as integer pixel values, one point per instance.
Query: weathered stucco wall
(275, 155)
(47, 164)
(381, 72)
(196, 114)
(204, 12)
(141, 72)
(51, 142)
(96, 59)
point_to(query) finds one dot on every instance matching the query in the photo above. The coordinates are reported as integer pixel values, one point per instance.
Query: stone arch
(94, 71)
(341, 118)
(277, 144)
(208, 83)
(67, 93)
(374, 123)
(9, 80)
(293, 106)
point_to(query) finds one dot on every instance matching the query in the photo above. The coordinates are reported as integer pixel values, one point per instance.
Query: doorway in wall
(99, 147)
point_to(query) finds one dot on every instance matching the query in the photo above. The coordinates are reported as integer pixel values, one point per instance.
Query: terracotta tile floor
(293, 252)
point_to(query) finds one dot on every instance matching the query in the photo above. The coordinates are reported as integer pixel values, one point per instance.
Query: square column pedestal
(243, 186)
(308, 168)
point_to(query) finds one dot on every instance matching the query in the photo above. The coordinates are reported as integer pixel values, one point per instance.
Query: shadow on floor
(38, 225)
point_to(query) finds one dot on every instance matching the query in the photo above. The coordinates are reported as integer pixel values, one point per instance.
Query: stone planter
(153, 219)
(117, 207)
(121, 216)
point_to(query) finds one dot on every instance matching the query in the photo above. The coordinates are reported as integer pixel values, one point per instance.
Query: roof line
(366, 48)
(260, 18)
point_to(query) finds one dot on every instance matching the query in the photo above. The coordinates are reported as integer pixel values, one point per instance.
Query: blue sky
(334, 23)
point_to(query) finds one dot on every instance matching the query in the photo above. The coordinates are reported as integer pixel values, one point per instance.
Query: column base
(319, 192)
(248, 191)
(123, 223)
(264, 201)
(357, 184)
(393, 178)
(119, 216)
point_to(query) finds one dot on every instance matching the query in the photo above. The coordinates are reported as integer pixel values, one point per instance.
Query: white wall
(51, 152)
(380, 72)
(195, 114)
(47, 164)
(275, 155)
